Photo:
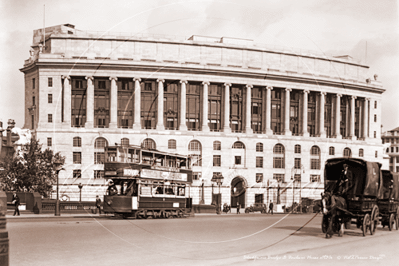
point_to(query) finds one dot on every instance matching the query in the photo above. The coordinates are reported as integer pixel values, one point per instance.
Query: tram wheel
(366, 223)
(155, 214)
(391, 221)
(166, 215)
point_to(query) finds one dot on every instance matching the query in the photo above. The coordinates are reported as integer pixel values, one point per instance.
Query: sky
(367, 30)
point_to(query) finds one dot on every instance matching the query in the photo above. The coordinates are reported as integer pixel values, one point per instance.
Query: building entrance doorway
(238, 189)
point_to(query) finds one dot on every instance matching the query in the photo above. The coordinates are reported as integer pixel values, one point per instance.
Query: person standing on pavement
(238, 208)
(271, 205)
(98, 204)
(15, 200)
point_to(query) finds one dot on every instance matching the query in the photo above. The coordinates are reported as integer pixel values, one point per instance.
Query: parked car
(257, 207)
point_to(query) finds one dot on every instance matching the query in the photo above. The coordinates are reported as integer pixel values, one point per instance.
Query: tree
(32, 169)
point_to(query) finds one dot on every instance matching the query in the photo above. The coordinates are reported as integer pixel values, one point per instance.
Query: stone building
(390, 139)
(261, 118)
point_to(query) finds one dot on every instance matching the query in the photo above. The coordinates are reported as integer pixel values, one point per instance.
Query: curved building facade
(259, 123)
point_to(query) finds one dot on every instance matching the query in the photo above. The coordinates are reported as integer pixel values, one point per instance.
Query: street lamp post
(202, 192)
(58, 164)
(80, 186)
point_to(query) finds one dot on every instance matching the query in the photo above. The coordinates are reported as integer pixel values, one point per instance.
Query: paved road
(246, 239)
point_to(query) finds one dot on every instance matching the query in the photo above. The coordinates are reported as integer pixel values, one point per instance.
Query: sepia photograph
(199, 132)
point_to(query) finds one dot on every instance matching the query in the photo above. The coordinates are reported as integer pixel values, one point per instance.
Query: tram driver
(112, 190)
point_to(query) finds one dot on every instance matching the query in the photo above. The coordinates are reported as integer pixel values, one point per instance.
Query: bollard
(4, 243)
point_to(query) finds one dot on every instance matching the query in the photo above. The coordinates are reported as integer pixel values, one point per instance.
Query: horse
(333, 218)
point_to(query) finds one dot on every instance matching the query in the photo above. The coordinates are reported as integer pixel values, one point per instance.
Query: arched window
(172, 144)
(149, 144)
(259, 147)
(315, 158)
(195, 151)
(331, 151)
(217, 145)
(125, 142)
(361, 152)
(99, 155)
(77, 142)
(297, 148)
(238, 145)
(347, 152)
(278, 156)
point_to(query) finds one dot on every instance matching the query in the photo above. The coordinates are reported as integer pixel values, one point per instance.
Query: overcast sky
(365, 29)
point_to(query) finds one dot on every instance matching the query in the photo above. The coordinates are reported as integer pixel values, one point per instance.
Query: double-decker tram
(147, 183)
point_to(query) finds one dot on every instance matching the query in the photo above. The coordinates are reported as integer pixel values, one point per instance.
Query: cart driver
(344, 181)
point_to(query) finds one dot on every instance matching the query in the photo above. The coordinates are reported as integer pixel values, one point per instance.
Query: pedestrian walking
(238, 207)
(271, 205)
(15, 200)
(98, 204)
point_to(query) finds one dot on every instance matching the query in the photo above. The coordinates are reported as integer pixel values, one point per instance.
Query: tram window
(157, 189)
(111, 156)
(169, 190)
(180, 191)
(145, 190)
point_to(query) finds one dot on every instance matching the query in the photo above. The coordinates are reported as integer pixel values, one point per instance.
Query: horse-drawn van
(388, 201)
(351, 190)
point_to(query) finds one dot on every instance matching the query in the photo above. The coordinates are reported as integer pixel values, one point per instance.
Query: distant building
(255, 115)
(391, 138)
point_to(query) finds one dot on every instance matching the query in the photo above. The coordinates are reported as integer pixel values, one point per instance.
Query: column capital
(227, 84)
(306, 91)
(206, 83)
(66, 77)
(89, 78)
(161, 80)
(183, 81)
(323, 93)
(137, 79)
(269, 87)
(338, 95)
(249, 86)
(113, 78)
(367, 99)
(353, 97)
(288, 89)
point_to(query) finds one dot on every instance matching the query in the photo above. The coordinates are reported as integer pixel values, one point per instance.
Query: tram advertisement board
(146, 173)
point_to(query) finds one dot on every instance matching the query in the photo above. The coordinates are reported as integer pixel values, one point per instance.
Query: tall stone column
(90, 103)
(183, 105)
(338, 117)
(352, 134)
(137, 104)
(305, 132)
(287, 130)
(365, 118)
(268, 117)
(67, 101)
(205, 126)
(322, 132)
(248, 128)
(113, 123)
(160, 125)
(226, 120)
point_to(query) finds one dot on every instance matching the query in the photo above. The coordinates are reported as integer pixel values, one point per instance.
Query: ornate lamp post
(58, 167)
(202, 191)
(80, 186)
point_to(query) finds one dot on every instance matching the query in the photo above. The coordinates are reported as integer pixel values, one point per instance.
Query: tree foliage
(31, 169)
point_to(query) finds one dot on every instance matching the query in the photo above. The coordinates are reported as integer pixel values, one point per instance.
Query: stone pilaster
(90, 103)
(305, 132)
(322, 132)
(248, 128)
(338, 116)
(67, 101)
(137, 104)
(226, 120)
(352, 127)
(205, 126)
(160, 125)
(268, 117)
(113, 123)
(287, 130)
(183, 105)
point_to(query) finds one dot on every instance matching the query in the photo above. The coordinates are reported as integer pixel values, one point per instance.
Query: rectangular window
(197, 175)
(259, 162)
(77, 142)
(77, 157)
(99, 157)
(297, 163)
(375, 118)
(278, 162)
(49, 142)
(33, 83)
(397, 149)
(237, 160)
(77, 173)
(314, 178)
(33, 122)
(50, 98)
(375, 134)
(50, 82)
(98, 174)
(259, 177)
(315, 164)
(375, 104)
(50, 118)
(34, 101)
(217, 146)
(217, 160)
(397, 169)
(376, 154)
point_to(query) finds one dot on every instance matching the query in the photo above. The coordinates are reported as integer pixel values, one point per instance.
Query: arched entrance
(238, 189)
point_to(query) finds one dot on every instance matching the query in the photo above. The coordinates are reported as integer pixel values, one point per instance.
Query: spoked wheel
(391, 221)
(374, 220)
(366, 223)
